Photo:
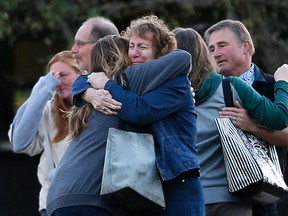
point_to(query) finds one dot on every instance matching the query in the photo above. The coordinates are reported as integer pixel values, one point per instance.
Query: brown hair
(202, 61)
(163, 38)
(109, 55)
(60, 106)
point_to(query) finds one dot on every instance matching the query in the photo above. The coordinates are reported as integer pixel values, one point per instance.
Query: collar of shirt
(248, 76)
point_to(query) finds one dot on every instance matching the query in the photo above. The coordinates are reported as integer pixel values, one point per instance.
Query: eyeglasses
(80, 43)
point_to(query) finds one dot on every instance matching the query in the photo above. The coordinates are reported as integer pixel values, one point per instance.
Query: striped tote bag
(252, 166)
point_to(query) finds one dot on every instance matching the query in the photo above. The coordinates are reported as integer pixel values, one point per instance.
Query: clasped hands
(100, 99)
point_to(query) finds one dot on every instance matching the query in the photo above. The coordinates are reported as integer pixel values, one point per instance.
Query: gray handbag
(130, 177)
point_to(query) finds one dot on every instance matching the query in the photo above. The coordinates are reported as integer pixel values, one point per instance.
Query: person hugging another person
(170, 109)
(171, 118)
(75, 189)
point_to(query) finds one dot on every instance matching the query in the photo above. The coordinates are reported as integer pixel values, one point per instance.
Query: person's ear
(246, 46)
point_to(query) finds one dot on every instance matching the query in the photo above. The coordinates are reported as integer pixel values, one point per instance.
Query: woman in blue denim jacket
(169, 111)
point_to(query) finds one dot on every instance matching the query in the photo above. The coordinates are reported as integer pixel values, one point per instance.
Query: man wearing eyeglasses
(87, 35)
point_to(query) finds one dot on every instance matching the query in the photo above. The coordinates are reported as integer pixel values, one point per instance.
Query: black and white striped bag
(252, 166)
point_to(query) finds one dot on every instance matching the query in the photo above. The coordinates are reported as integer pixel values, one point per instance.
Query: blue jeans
(183, 196)
(81, 211)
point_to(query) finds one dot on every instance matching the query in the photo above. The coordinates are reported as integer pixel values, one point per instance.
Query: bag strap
(227, 92)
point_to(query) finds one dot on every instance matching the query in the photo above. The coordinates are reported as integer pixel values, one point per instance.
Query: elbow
(16, 148)
(17, 144)
(20, 144)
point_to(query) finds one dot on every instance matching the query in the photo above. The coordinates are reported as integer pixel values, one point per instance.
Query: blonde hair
(60, 106)
(162, 38)
(109, 55)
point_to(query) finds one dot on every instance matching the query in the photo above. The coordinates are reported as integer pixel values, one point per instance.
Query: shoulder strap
(227, 92)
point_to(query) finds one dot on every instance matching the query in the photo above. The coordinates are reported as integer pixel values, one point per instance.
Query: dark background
(19, 186)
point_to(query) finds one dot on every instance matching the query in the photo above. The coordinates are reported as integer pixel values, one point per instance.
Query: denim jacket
(170, 111)
(160, 97)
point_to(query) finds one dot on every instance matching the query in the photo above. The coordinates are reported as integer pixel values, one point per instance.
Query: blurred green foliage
(51, 20)
(42, 19)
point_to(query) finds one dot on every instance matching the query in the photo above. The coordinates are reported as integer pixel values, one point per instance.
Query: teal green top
(209, 101)
(272, 115)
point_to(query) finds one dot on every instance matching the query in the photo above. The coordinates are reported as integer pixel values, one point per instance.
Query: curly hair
(163, 39)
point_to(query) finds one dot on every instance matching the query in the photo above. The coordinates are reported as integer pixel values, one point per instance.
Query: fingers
(91, 78)
(56, 74)
(231, 115)
(108, 105)
(100, 99)
(107, 101)
(113, 107)
(229, 111)
(108, 111)
(238, 105)
(97, 80)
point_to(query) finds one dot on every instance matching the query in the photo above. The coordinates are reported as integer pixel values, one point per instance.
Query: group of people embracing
(144, 77)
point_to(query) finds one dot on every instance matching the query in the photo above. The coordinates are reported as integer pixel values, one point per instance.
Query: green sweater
(272, 115)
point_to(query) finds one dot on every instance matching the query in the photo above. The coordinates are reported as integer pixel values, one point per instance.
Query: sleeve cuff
(79, 86)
